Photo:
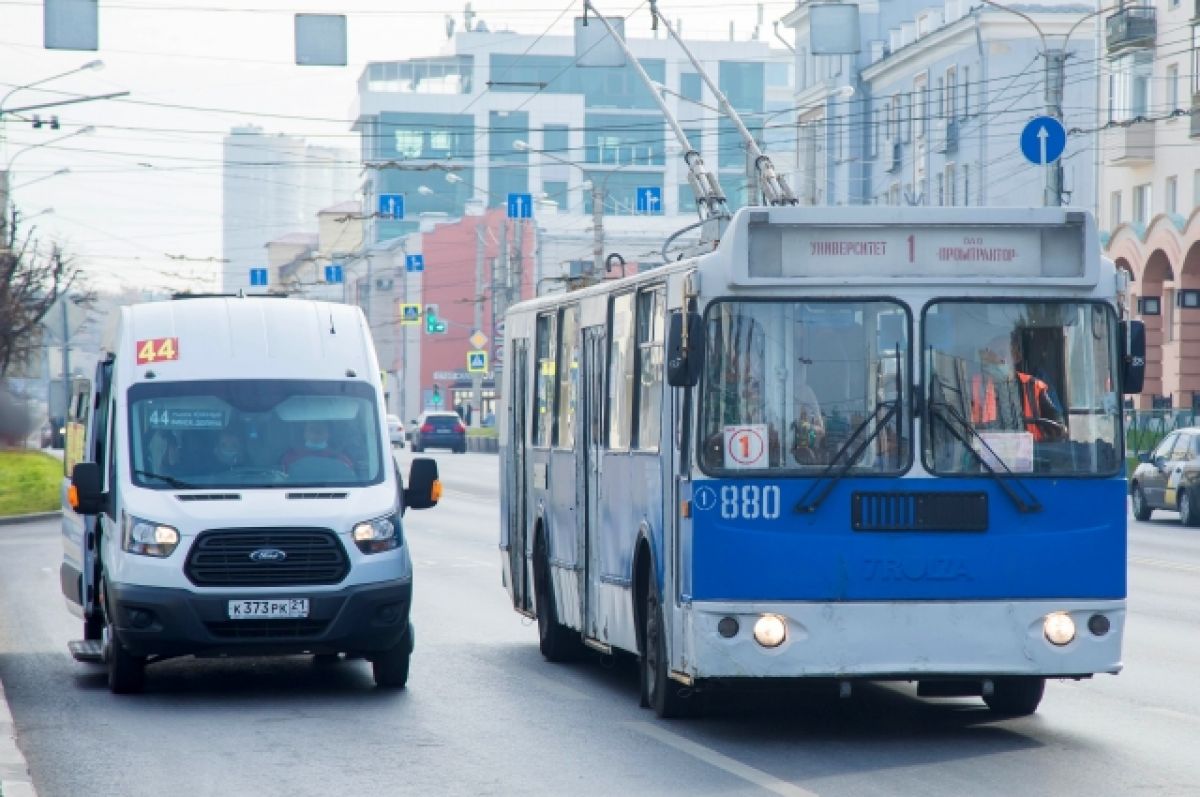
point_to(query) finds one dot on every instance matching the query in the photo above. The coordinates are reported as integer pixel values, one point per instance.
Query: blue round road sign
(1043, 140)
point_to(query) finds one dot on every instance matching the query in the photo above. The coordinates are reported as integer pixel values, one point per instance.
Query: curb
(13, 520)
(14, 773)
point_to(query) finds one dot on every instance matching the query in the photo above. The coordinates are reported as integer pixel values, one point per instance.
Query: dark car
(439, 430)
(1169, 478)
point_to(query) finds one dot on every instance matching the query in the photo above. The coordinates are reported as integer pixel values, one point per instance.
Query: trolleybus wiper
(945, 412)
(807, 505)
(171, 480)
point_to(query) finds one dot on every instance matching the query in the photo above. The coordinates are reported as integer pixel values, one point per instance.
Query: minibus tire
(1017, 696)
(390, 668)
(665, 696)
(126, 672)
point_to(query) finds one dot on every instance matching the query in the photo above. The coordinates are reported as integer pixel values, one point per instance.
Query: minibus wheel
(1016, 697)
(390, 668)
(126, 672)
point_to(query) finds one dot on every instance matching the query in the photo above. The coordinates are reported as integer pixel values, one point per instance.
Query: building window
(951, 185)
(920, 97)
(1129, 85)
(966, 169)
(874, 134)
(1149, 305)
(894, 194)
(906, 117)
(554, 138)
(966, 91)
(939, 188)
(690, 86)
(1172, 87)
(889, 121)
(557, 191)
(1171, 195)
(547, 345)
(949, 95)
(695, 136)
(1142, 203)
(1114, 209)
(620, 375)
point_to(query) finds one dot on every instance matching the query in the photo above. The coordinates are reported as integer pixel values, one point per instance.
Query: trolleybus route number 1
(744, 502)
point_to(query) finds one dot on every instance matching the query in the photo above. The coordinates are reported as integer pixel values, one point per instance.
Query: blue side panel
(631, 494)
(1073, 548)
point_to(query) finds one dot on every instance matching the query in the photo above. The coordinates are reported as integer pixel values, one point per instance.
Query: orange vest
(984, 407)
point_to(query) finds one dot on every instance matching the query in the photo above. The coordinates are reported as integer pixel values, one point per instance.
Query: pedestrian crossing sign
(477, 362)
(410, 314)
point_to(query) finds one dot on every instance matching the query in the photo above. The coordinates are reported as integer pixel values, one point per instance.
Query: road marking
(1186, 568)
(721, 761)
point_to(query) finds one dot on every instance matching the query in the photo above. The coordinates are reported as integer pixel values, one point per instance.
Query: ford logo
(268, 555)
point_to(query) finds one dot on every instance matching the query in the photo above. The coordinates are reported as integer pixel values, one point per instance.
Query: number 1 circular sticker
(746, 446)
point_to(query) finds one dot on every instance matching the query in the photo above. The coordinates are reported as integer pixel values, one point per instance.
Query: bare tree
(31, 281)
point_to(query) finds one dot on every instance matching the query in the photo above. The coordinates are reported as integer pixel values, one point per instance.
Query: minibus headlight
(1059, 628)
(375, 536)
(147, 538)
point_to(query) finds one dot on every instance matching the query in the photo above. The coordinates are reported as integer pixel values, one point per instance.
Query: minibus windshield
(254, 433)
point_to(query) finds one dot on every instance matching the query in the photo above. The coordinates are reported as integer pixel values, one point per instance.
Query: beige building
(1150, 184)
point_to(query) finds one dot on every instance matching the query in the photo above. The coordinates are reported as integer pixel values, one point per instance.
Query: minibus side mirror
(1133, 356)
(423, 489)
(685, 349)
(84, 494)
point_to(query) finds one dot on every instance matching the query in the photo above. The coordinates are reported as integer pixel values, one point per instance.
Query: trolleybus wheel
(1016, 697)
(1141, 509)
(1187, 509)
(126, 672)
(665, 696)
(556, 641)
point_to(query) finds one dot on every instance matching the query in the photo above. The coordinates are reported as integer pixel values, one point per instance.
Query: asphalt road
(484, 714)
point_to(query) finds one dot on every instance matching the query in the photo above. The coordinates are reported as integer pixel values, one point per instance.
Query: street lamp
(7, 170)
(63, 170)
(97, 64)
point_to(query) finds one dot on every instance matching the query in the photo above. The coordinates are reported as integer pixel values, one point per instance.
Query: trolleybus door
(518, 520)
(593, 440)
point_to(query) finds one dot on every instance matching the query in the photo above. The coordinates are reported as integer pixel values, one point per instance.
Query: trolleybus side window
(543, 418)
(620, 377)
(650, 336)
(568, 376)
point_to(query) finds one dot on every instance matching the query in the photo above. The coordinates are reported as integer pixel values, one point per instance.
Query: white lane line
(721, 761)
(1186, 568)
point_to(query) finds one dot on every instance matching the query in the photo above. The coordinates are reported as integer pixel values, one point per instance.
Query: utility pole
(476, 377)
(1056, 60)
(597, 232)
(402, 377)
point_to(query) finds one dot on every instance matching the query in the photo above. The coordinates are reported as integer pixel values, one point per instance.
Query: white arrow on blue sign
(520, 206)
(258, 277)
(391, 206)
(1043, 140)
(649, 199)
(414, 263)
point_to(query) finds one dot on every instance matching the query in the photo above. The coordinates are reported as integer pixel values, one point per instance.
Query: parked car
(439, 430)
(1169, 478)
(396, 430)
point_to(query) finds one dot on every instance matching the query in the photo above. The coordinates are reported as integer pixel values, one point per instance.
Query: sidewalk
(14, 775)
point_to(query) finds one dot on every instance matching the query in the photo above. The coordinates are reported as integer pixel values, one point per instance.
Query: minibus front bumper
(161, 621)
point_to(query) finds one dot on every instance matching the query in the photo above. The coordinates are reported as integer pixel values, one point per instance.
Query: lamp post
(1052, 91)
(7, 171)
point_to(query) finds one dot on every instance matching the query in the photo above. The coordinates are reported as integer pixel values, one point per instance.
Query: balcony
(1130, 146)
(1130, 27)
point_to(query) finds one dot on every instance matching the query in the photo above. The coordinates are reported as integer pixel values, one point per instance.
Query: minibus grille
(222, 558)
(905, 511)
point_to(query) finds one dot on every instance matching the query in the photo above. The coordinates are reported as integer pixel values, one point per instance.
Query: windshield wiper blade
(943, 410)
(171, 480)
(806, 506)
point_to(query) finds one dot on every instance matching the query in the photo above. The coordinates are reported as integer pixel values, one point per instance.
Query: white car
(395, 430)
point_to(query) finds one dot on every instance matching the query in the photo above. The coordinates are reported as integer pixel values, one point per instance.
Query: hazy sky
(144, 188)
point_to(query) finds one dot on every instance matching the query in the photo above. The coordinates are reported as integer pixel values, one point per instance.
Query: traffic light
(433, 322)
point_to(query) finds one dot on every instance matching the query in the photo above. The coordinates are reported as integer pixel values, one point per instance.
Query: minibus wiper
(171, 480)
(806, 505)
(945, 412)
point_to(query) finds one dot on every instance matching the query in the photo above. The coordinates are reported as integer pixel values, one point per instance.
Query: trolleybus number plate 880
(276, 608)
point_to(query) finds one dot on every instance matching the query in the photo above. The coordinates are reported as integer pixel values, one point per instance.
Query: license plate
(268, 609)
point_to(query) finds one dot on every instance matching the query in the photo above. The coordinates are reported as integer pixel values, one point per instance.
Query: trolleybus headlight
(148, 538)
(374, 536)
(770, 631)
(1059, 628)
